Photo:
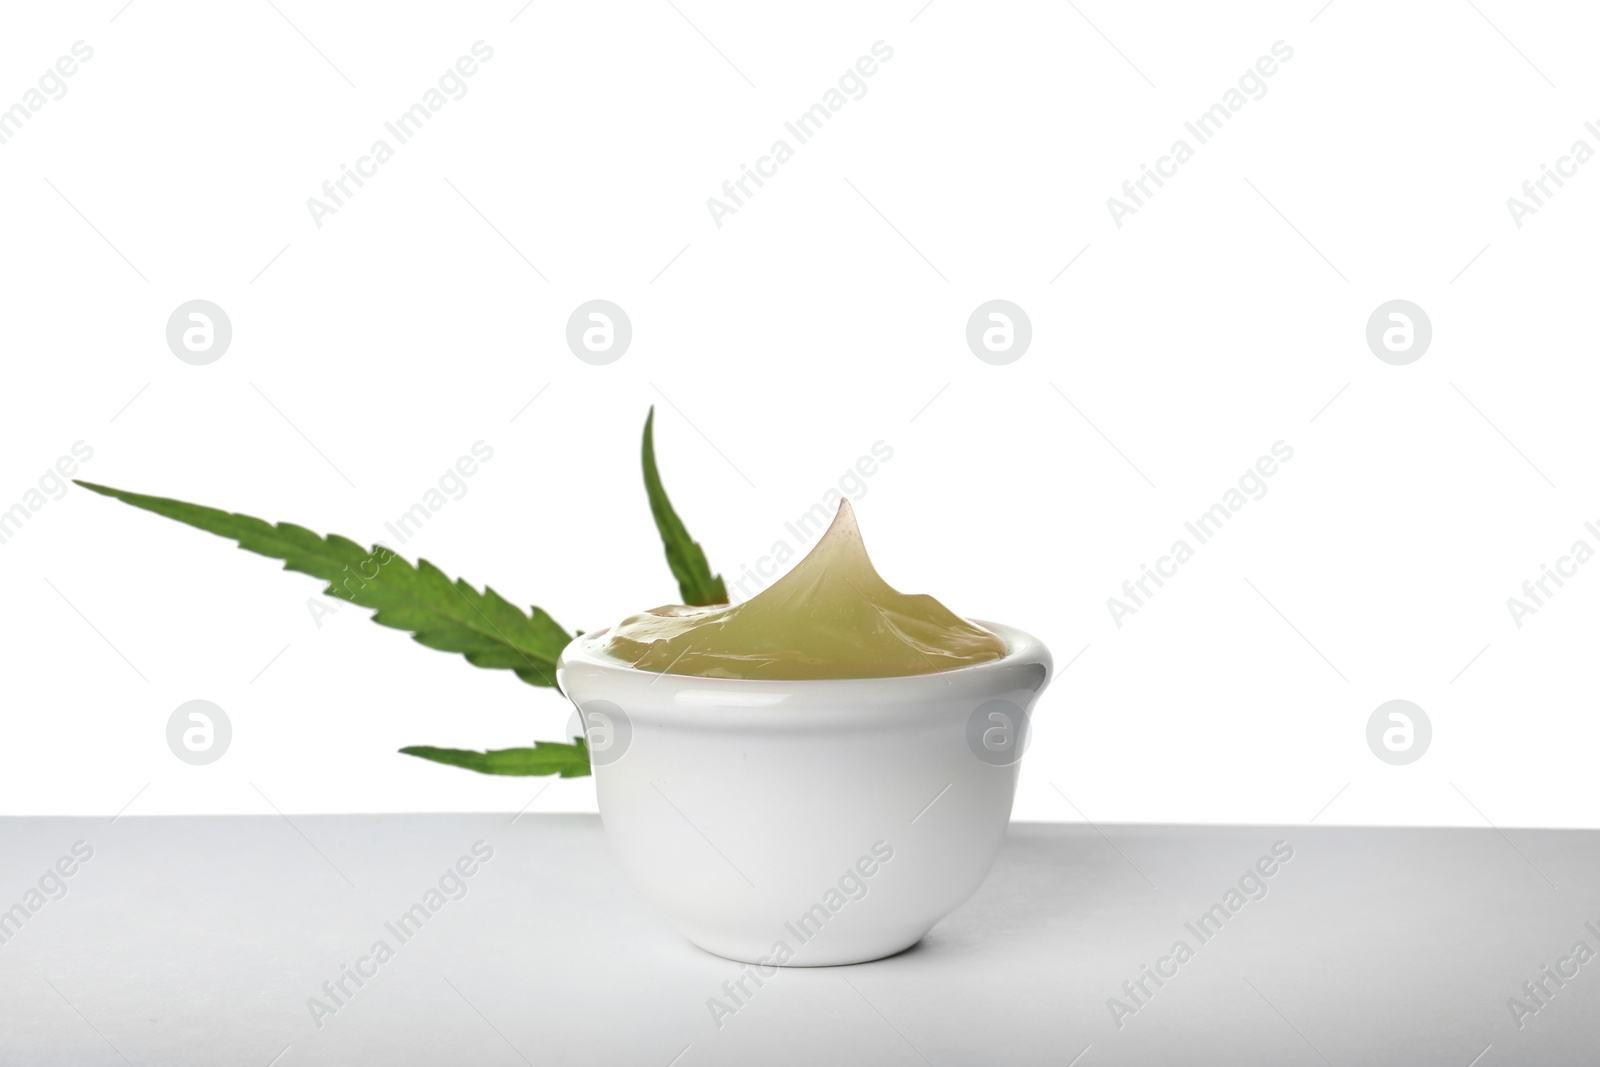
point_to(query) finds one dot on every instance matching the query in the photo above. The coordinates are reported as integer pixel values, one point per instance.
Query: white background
(827, 314)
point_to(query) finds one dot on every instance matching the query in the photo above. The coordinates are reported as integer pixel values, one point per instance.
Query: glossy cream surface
(832, 616)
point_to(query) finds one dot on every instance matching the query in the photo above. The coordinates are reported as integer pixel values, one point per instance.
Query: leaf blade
(696, 583)
(544, 758)
(446, 615)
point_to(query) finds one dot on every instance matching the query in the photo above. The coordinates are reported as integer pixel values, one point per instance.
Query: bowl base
(810, 955)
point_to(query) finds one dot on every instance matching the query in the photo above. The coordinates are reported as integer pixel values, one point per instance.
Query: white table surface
(200, 940)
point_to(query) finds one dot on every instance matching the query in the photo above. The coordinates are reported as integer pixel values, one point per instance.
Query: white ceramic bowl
(806, 823)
